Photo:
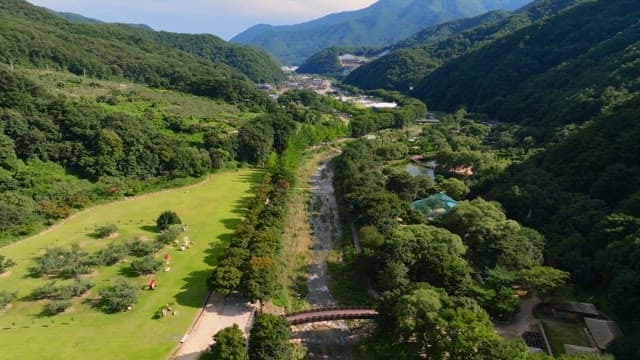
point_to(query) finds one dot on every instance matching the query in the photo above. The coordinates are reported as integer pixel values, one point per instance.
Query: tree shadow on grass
(191, 294)
(128, 272)
(149, 228)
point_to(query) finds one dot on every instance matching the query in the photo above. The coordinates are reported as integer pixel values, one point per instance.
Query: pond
(417, 170)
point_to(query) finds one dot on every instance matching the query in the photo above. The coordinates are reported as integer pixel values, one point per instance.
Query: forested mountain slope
(326, 61)
(427, 50)
(383, 23)
(560, 70)
(583, 194)
(33, 36)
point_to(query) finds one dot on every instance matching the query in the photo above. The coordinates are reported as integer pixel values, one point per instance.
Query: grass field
(211, 210)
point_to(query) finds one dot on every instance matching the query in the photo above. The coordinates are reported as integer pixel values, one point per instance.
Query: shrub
(146, 265)
(139, 248)
(166, 219)
(56, 307)
(118, 297)
(47, 291)
(78, 288)
(6, 298)
(169, 235)
(106, 231)
(64, 263)
(5, 263)
(111, 255)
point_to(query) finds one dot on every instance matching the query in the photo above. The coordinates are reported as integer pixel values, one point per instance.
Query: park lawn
(210, 209)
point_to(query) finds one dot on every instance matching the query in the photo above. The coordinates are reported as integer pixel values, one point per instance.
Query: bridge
(330, 314)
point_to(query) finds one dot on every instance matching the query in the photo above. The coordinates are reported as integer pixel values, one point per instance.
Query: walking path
(217, 314)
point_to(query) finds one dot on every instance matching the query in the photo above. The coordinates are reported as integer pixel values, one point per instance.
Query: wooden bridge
(330, 314)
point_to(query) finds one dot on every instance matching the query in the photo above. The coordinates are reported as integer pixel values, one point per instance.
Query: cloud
(224, 18)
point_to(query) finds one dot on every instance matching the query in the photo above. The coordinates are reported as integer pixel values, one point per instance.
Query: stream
(330, 339)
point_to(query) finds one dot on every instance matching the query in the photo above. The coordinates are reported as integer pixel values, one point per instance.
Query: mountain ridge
(382, 23)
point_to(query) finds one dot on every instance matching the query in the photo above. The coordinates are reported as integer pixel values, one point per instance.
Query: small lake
(417, 170)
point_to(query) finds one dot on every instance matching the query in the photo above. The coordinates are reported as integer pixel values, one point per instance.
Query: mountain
(383, 23)
(560, 70)
(326, 61)
(76, 18)
(425, 51)
(33, 36)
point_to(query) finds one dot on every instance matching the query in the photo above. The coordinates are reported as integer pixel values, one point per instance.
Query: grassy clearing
(138, 100)
(211, 210)
(346, 281)
(298, 238)
(562, 332)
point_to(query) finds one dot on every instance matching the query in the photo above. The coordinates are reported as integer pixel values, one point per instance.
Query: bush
(111, 255)
(65, 263)
(166, 219)
(146, 265)
(5, 263)
(118, 297)
(6, 298)
(47, 291)
(169, 235)
(139, 248)
(56, 307)
(78, 288)
(106, 231)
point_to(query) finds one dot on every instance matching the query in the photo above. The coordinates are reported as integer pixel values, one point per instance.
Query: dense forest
(582, 194)
(426, 51)
(575, 64)
(448, 275)
(32, 36)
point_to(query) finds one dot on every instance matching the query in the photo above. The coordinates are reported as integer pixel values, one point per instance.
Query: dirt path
(216, 315)
(521, 322)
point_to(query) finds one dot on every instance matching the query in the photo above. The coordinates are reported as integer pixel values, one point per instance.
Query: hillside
(33, 36)
(383, 23)
(560, 70)
(422, 53)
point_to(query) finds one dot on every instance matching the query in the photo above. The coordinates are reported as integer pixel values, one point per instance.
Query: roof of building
(579, 307)
(435, 205)
(602, 331)
(576, 349)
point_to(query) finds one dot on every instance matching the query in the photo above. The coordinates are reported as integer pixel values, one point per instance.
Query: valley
(437, 179)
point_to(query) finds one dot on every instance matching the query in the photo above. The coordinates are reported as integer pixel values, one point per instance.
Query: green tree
(229, 345)
(543, 280)
(166, 219)
(269, 339)
(146, 265)
(106, 231)
(455, 188)
(5, 263)
(118, 297)
(224, 279)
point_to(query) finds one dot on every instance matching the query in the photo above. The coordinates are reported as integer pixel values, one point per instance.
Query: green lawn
(562, 332)
(210, 209)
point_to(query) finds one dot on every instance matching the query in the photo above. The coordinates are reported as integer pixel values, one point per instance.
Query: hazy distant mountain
(425, 51)
(383, 23)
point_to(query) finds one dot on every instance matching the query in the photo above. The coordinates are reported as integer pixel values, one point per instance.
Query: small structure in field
(573, 310)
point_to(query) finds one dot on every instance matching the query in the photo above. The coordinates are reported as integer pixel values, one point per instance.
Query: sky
(224, 18)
